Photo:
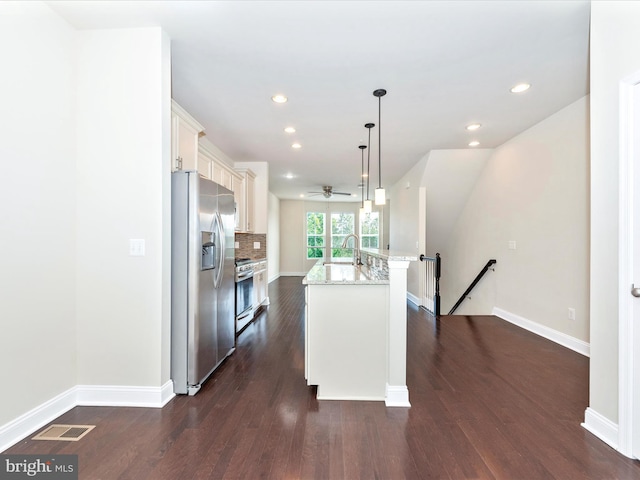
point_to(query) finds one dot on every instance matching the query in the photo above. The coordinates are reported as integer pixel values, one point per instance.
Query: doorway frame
(628, 407)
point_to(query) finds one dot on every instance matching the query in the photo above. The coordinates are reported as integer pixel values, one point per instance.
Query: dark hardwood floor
(489, 400)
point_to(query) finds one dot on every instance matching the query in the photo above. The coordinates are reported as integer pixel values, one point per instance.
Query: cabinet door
(249, 207)
(238, 194)
(245, 201)
(185, 139)
(226, 179)
(185, 131)
(205, 166)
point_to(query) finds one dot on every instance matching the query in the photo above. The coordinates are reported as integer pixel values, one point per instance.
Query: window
(370, 230)
(342, 224)
(315, 234)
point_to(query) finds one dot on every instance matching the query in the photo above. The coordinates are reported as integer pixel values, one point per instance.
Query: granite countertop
(344, 274)
(390, 255)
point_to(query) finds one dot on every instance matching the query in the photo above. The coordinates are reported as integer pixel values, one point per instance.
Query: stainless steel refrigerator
(202, 279)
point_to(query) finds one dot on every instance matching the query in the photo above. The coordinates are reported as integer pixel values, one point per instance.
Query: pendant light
(379, 192)
(362, 147)
(367, 202)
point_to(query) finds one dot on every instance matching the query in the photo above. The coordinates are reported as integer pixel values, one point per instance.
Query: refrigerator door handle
(217, 278)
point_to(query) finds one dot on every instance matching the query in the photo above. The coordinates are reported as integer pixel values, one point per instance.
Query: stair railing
(432, 293)
(473, 284)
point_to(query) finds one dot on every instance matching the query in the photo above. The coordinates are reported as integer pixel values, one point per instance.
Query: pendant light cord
(362, 147)
(369, 126)
(379, 141)
(368, 162)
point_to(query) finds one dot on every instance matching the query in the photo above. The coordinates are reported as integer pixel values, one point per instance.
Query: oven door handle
(248, 312)
(244, 275)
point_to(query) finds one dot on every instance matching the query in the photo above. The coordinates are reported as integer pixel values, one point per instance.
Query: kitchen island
(356, 328)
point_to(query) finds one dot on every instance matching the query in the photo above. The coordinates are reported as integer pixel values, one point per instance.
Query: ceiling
(444, 64)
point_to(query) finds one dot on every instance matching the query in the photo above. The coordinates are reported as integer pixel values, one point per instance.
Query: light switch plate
(236, 244)
(512, 244)
(136, 247)
(256, 245)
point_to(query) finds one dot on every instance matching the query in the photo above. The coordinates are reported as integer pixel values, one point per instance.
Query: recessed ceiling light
(521, 87)
(289, 175)
(473, 126)
(354, 195)
(474, 143)
(365, 175)
(279, 98)
(302, 195)
(290, 130)
(296, 145)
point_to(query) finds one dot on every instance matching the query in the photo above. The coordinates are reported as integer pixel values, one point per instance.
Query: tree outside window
(342, 224)
(315, 235)
(370, 230)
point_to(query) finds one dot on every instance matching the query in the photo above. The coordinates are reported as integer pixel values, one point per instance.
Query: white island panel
(347, 337)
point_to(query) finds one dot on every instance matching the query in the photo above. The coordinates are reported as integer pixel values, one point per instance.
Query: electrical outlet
(512, 244)
(256, 245)
(236, 244)
(572, 314)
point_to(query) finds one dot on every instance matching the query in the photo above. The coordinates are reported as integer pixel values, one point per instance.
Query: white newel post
(397, 393)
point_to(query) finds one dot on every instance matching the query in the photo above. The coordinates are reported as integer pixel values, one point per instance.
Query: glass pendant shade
(361, 212)
(379, 196)
(367, 206)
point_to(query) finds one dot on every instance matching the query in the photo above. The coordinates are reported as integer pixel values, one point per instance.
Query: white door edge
(628, 403)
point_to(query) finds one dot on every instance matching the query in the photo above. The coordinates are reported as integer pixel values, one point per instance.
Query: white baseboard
(560, 338)
(33, 420)
(601, 427)
(413, 299)
(275, 277)
(123, 396)
(396, 396)
(83, 395)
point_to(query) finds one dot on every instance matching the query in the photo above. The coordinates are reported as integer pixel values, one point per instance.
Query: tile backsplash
(246, 248)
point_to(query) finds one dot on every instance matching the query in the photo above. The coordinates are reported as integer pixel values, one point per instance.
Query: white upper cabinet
(245, 198)
(226, 176)
(191, 152)
(185, 131)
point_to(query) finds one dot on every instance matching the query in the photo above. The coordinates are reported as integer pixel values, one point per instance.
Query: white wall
(615, 54)
(422, 224)
(449, 177)
(273, 238)
(404, 225)
(37, 207)
(123, 107)
(534, 191)
(292, 238)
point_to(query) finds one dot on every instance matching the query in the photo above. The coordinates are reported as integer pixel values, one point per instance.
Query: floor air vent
(69, 433)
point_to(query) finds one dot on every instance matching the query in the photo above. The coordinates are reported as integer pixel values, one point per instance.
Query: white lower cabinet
(260, 285)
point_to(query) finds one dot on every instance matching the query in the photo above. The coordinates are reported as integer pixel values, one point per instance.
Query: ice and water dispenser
(208, 250)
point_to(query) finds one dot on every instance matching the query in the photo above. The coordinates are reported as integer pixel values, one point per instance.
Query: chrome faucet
(356, 249)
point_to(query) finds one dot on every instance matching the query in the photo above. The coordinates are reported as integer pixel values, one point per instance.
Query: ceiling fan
(327, 192)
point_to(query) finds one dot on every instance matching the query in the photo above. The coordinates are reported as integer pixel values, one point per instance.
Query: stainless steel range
(244, 293)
